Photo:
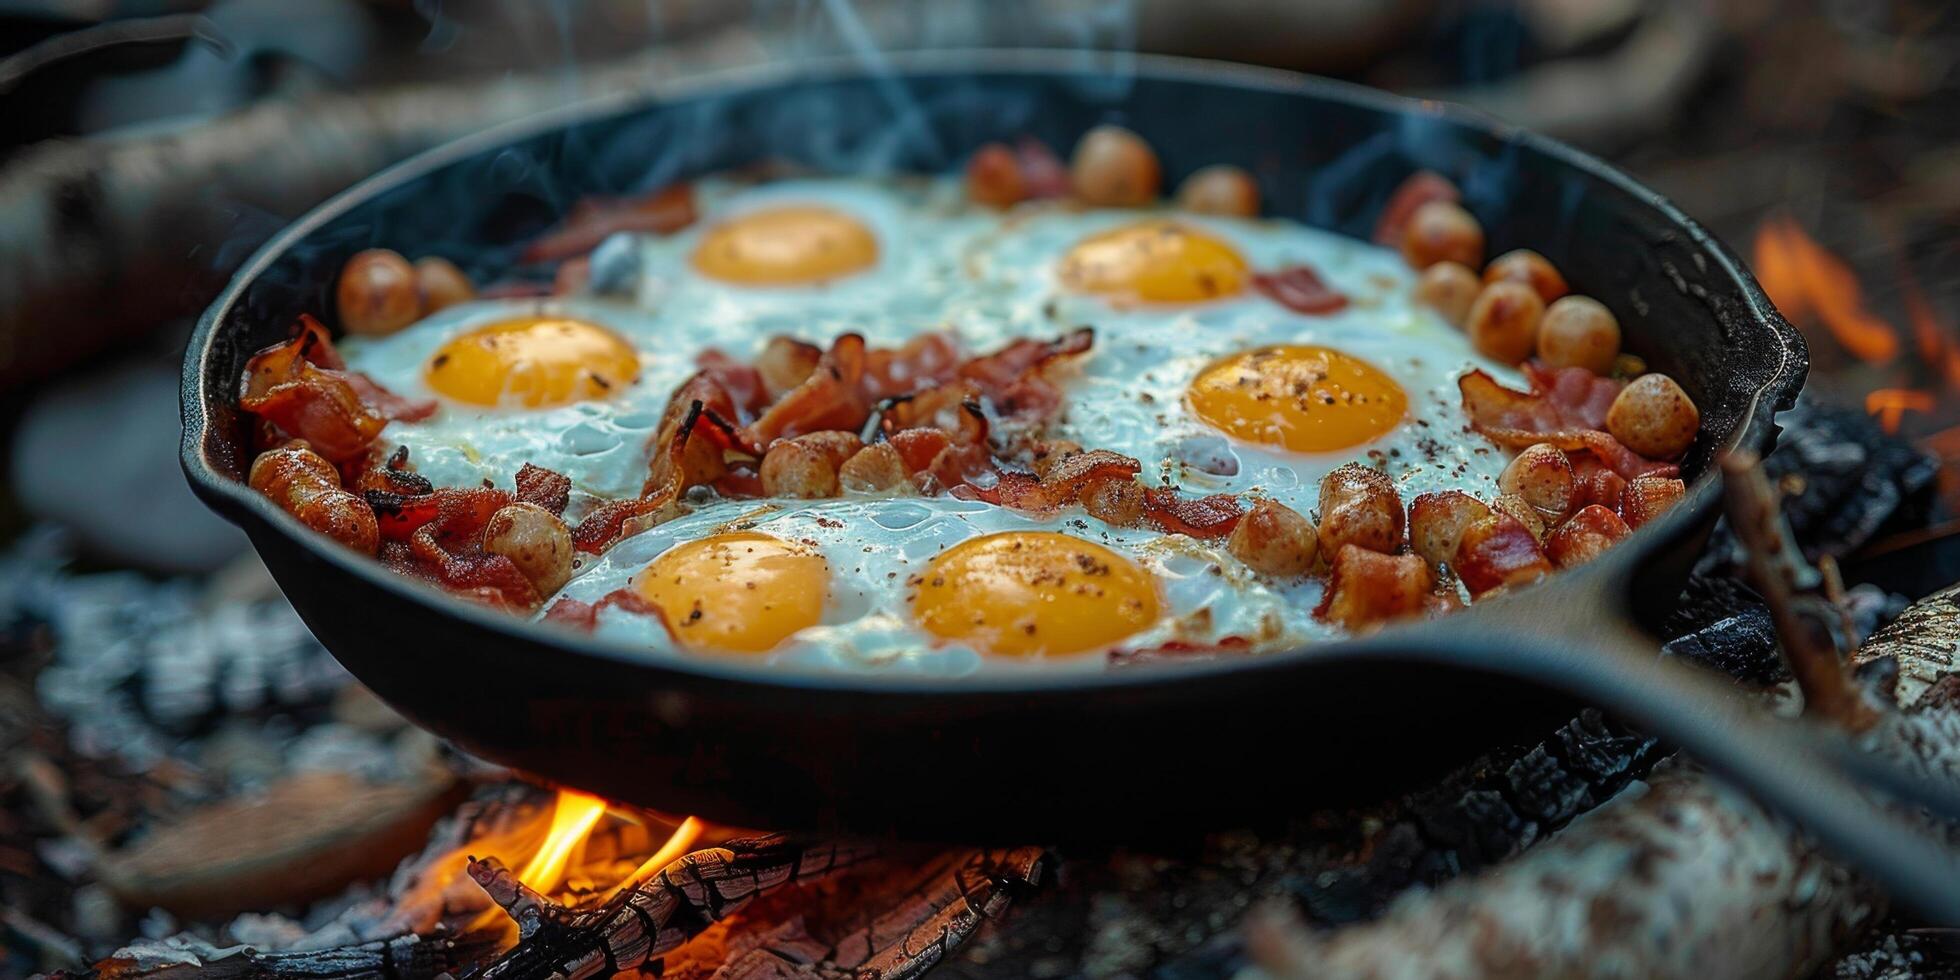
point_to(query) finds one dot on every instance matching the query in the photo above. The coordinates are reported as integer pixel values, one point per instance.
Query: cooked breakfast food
(1025, 417)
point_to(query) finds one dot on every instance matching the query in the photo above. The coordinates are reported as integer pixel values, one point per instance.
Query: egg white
(988, 279)
(1129, 393)
(875, 548)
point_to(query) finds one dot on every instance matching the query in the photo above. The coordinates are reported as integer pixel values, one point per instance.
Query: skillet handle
(1797, 768)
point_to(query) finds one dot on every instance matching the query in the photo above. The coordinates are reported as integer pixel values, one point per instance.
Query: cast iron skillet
(1138, 752)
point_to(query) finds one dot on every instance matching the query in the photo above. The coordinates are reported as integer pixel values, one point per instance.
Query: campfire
(1912, 366)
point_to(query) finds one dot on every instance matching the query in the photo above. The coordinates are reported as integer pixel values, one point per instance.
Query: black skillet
(1132, 753)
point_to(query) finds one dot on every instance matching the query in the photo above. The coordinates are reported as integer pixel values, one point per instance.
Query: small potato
(1367, 588)
(377, 293)
(1522, 512)
(1115, 502)
(1274, 539)
(441, 284)
(1220, 189)
(993, 177)
(1584, 536)
(1449, 288)
(1528, 267)
(806, 466)
(876, 468)
(1653, 417)
(1437, 522)
(1648, 497)
(1114, 167)
(1441, 231)
(536, 541)
(1503, 322)
(1497, 553)
(1360, 506)
(1579, 331)
(1542, 475)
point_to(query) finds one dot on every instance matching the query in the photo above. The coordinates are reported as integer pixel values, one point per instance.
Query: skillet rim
(1603, 583)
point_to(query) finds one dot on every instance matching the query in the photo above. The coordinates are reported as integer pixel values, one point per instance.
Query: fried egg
(1219, 388)
(1195, 371)
(930, 586)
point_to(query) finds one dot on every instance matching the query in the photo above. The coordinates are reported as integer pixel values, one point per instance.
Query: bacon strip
(1064, 484)
(1200, 517)
(926, 361)
(300, 387)
(1298, 288)
(594, 219)
(582, 615)
(447, 549)
(833, 397)
(1561, 410)
(545, 488)
(1013, 377)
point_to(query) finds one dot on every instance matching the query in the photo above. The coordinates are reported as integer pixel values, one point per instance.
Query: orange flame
(1807, 282)
(678, 843)
(1891, 405)
(571, 822)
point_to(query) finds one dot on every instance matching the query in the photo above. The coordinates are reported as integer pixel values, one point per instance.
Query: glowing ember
(1809, 284)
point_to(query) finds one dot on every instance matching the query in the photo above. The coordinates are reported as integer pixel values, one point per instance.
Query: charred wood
(403, 958)
(651, 918)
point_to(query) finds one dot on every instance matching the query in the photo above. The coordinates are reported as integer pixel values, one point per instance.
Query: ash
(141, 670)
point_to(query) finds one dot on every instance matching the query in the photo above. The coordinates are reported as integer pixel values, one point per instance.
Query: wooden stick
(1808, 622)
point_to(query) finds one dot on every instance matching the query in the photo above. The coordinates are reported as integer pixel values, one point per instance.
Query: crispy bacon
(594, 219)
(402, 499)
(1561, 409)
(1064, 484)
(1298, 288)
(581, 615)
(546, 488)
(1419, 189)
(1013, 377)
(834, 396)
(924, 362)
(1200, 517)
(741, 390)
(301, 388)
(449, 549)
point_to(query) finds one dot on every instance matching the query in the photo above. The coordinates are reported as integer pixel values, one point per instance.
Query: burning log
(654, 917)
(1764, 901)
(950, 899)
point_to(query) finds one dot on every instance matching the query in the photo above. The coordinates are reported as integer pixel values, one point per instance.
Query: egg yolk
(1155, 262)
(1306, 399)
(740, 592)
(786, 246)
(1027, 593)
(536, 362)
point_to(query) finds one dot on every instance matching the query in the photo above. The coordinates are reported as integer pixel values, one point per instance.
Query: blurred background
(148, 146)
